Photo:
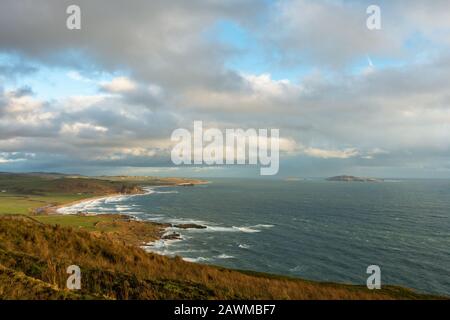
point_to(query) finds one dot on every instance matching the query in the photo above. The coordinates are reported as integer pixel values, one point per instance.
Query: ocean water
(318, 230)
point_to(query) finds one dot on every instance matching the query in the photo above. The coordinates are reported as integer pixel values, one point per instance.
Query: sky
(105, 99)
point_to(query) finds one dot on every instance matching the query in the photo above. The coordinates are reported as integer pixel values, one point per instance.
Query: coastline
(122, 238)
(118, 271)
(52, 209)
(129, 224)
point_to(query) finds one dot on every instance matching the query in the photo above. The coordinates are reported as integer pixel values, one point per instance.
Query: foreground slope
(34, 257)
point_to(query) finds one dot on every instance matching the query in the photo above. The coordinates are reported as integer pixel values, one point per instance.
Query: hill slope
(34, 257)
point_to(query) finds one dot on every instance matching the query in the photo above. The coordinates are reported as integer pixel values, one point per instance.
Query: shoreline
(53, 208)
(165, 234)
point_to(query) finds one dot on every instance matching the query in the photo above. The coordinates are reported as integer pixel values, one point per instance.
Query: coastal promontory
(346, 178)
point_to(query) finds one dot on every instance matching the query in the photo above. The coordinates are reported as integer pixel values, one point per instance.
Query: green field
(31, 194)
(36, 193)
(11, 203)
(24, 193)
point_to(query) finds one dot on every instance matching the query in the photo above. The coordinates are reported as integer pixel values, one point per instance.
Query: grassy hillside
(151, 181)
(24, 193)
(34, 257)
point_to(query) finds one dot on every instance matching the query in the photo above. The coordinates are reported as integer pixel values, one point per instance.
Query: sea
(313, 229)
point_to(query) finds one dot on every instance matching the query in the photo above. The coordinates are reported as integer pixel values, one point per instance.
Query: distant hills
(345, 178)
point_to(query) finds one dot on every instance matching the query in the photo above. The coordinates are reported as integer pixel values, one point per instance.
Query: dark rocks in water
(186, 184)
(133, 189)
(171, 236)
(345, 178)
(189, 226)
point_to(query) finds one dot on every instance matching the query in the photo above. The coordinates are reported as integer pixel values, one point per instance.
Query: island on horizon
(347, 178)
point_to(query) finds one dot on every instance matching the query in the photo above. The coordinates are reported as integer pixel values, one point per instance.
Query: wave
(224, 256)
(264, 226)
(161, 246)
(216, 228)
(96, 205)
(149, 190)
(186, 221)
(187, 251)
(123, 208)
(213, 228)
(116, 199)
(297, 269)
(154, 218)
(244, 246)
(198, 259)
(247, 229)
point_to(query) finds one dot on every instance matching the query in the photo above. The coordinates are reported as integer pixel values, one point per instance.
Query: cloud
(84, 128)
(119, 84)
(11, 157)
(331, 154)
(75, 75)
(164, 72)
(265, 85)
(334, 33)
(327, 32)
(22, 92)
(156, 40)
(16, 68)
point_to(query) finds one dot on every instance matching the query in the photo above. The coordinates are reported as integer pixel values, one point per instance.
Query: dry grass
(121, 228)
(17, 285)
(32, 251)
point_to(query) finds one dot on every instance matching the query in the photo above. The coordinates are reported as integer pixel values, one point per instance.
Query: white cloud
(22, 104)
(331, 154)
(265, 85)
(125, 153)
(119, 85)
(83, 102)
(75, 75)
(79, 128)
(10, 157)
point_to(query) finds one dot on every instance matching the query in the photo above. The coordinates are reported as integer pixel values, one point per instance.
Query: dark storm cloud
(158, 40)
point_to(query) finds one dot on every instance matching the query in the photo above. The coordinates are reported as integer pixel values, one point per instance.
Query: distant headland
(346, 178)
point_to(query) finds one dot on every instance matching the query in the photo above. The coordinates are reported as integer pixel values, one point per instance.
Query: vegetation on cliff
(34, 257)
